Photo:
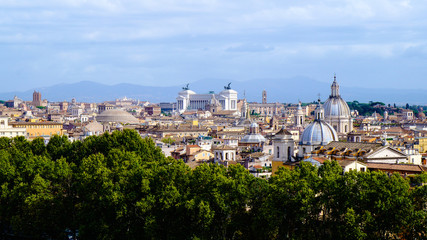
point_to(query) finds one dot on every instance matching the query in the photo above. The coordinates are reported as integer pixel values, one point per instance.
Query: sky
(367, 43)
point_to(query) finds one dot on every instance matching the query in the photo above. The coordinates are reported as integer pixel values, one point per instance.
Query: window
(278, 152)
(362, 169)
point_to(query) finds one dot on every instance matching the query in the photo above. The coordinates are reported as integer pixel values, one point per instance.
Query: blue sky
(367, 43)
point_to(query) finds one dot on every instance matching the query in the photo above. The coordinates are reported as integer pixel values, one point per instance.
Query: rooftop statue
(228, 86)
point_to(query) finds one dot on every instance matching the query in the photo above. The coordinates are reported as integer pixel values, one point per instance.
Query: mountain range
(288, 90)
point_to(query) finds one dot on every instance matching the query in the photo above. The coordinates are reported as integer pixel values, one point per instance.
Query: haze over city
(369, 44)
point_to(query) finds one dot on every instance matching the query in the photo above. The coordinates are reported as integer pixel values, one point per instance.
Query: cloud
(165, 40)
(250, 48)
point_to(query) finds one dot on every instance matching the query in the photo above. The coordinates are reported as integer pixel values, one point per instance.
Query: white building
(204, 142)
(283, 146)
(189, 100)
(224, 154)
(76, 111)
(9, 131)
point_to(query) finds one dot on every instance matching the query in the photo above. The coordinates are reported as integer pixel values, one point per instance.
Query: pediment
(386, 152)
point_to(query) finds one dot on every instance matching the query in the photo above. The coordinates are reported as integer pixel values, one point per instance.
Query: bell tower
(264, 96)
(299, 116)
(283, 149)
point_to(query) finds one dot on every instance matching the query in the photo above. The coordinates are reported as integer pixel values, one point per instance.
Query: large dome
(318, 133)
(336, 106)
(116, 116)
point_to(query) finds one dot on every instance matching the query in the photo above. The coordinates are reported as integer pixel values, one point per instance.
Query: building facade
(189, 100)
(39, 129)
(9, 131)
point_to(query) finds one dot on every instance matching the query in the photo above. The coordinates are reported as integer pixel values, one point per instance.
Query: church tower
(299, 116)
(37, 98)
(283, 149)
(264, 96)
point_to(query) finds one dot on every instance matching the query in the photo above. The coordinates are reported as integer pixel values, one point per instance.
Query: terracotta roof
(353, 146)
(397, 167)
(190, 146)
(34, 123)
(320, 159)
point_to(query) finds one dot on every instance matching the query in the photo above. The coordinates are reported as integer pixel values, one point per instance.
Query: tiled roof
(397, 167)
(353, 146)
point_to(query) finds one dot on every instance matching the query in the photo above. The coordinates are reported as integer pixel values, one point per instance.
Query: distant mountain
(278, 90)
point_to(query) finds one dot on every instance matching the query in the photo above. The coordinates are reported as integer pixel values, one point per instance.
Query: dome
(336, 106)
(116, 116)
(318, 133)
(253, 138)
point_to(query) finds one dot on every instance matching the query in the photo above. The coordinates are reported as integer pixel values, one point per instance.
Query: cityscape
(213, 119)
(224, 128)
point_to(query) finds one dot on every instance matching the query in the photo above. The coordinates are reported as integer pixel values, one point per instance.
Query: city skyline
(369, 44)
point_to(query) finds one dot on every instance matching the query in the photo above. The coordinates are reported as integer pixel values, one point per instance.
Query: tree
(168, 141)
